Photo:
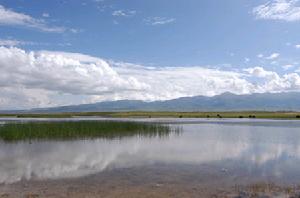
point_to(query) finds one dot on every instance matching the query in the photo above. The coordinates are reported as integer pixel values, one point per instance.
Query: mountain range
(287, 101)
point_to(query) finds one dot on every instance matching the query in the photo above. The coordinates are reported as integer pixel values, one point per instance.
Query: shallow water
(264, 150)
(240, 150)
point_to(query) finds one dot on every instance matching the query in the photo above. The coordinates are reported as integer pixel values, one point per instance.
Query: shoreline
(114, 185)
(144, 114)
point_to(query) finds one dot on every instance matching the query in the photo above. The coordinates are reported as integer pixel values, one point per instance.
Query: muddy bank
(153, 182)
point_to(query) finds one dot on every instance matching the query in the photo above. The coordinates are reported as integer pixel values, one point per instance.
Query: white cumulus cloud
(287, 67)
(159, 20)
(273, 82)
(286, 10)
(14, 42)
(9, 17)
(262, 73)
(49, 78)
(124, 13)
(10, 42)
(59, 73)
(260, 56)
(273, 56)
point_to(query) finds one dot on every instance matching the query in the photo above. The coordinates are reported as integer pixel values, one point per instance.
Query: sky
(64, 52)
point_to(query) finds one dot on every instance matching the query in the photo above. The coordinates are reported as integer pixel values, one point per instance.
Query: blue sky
(255, 41)
(202, 33)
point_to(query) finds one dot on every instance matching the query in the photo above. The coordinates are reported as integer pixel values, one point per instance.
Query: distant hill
(224, 102)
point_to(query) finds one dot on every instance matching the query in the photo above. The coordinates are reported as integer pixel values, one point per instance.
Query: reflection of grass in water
(81, 130)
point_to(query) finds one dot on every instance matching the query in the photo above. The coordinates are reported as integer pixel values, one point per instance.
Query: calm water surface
(264, 149)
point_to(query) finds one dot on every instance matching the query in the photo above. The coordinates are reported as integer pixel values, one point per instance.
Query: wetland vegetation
(80, 130)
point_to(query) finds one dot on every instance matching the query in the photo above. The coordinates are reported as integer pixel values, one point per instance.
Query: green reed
(81, 130)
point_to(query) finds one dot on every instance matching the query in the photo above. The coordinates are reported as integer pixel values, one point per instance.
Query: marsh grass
(80, 130)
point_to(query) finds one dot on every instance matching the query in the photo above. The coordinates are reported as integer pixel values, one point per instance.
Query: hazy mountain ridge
(224, 102)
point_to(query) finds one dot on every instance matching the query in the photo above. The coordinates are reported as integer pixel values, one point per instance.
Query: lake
(206, 156)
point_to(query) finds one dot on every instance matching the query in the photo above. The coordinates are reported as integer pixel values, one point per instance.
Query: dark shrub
(298, 116)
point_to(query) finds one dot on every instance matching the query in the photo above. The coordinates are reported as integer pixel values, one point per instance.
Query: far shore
(159, 114)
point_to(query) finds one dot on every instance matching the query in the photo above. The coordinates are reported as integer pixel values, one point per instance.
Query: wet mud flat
(155, 181)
